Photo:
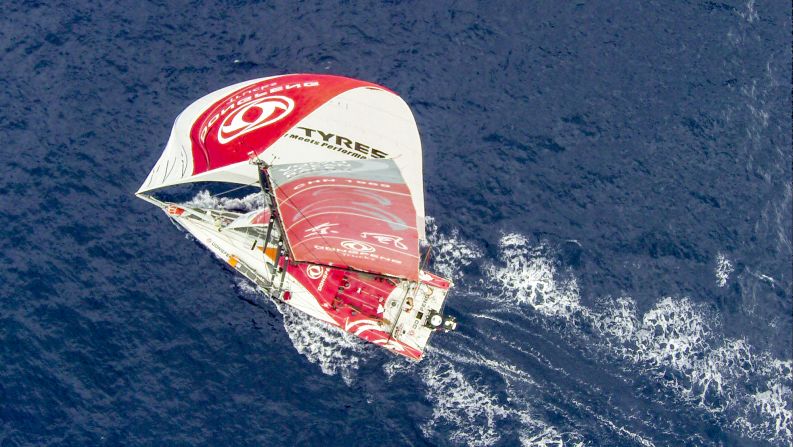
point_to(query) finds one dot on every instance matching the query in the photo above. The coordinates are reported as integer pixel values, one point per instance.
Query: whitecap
(336, 352)
(464, 412)
(450, 253)
(247, 203)
(672, 334)
(528, 276)
(617, 319)
(748, 391)
(723, 269)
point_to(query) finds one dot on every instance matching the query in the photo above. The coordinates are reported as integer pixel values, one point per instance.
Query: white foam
(676, 335)
(472, 413)
(725, 376)
(450, 253)
(723, 269)
(617, 319)
(535, 433)
(333, 350)
(543, 437)
(672, 334)
(750, 15)
(247, 287)
(248, 203)
(466, 356)
(604, 422)
(773, 403)
(464, 412)
(336, 352)
(488, 317)
(528, 276)
(398, 365)
(717, 373)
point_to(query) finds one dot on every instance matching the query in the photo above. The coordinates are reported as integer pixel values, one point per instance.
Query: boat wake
(749, 391)
(478, 397)
(469, 412)
(678, 343)
(333, 350)
(464, 411)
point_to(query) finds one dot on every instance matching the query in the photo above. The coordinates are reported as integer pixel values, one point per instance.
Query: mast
(282, 249)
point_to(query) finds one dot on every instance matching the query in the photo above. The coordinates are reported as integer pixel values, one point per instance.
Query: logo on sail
(386, 239)
(357, 246)
(254, 115)
(321, 229)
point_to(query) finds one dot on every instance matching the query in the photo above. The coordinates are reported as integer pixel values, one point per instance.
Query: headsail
(353, 213)
(291, 119)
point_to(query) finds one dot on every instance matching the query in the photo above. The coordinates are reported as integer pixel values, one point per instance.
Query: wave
(746, 390)
(529, 277)
(750, 391)
(468, 412)
(672, 334)
(723, 269)
(450, 253)
(335, 352)
(463, 411)
(204, 199)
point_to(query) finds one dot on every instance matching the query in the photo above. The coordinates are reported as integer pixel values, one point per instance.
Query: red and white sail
(291, 119)
(356, 214)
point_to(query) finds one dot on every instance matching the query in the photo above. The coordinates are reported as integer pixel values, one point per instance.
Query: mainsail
(353, 213)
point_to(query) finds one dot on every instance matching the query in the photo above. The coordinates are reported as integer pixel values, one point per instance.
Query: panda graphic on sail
(339, 164)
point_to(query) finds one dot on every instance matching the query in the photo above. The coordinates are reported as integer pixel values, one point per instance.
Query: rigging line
(426, 256)
(233, 189)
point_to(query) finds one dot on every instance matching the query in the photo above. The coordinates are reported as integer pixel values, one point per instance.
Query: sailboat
(338, 236)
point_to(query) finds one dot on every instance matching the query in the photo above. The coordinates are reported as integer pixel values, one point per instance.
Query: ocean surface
(609, 185)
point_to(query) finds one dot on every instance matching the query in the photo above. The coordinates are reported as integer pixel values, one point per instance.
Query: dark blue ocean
(609, 185)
